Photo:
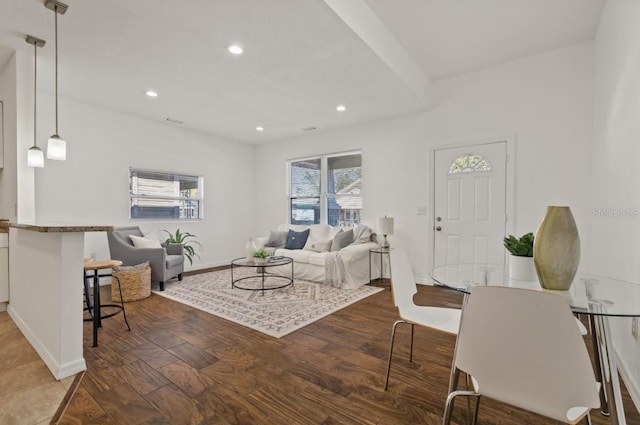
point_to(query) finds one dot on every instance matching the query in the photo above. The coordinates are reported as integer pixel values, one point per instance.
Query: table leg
(610, 379)
(604, 405)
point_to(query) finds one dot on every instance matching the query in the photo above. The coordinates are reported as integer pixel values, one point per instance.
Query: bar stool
(94, 308)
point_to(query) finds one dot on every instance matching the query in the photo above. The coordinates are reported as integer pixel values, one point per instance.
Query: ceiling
(302, 57)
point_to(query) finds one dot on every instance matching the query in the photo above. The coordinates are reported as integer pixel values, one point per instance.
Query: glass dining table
(597, 297)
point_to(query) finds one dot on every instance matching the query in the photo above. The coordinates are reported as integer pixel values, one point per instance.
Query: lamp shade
(35, 157)
(57, 148)
(385, 225)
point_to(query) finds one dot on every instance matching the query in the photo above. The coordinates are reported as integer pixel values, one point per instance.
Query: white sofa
(348, 267)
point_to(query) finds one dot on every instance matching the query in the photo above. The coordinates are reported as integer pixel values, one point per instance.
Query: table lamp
(385, 227)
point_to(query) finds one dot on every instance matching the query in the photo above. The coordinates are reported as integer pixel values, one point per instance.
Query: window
(326, 189)
(165, 195)
(469, 163)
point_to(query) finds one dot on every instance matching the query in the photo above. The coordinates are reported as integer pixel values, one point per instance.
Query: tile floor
(29, 394)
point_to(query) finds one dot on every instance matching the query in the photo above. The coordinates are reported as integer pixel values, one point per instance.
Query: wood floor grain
(179, 365)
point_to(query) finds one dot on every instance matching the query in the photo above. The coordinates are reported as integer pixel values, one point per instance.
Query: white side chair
(523, 348)
(403, 288)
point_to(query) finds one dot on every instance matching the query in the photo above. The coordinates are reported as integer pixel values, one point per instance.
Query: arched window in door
(469, 163)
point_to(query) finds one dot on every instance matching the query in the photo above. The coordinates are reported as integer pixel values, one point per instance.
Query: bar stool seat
(95, 306)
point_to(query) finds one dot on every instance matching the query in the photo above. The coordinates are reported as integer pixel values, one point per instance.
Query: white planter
(522, 268)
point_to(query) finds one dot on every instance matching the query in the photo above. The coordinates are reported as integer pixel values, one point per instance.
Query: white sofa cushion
(298, 255)
(318, 259)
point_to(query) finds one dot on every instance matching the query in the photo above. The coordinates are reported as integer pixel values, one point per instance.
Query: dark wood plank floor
(179, 365)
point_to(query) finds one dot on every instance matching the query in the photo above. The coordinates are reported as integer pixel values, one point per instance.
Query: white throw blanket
(333, 270)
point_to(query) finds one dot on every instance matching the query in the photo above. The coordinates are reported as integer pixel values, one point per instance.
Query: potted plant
(181, 238)
(260, 256)
(521, 265)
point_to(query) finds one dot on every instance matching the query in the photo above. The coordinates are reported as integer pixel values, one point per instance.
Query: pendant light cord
(56, 29)
(35, 86)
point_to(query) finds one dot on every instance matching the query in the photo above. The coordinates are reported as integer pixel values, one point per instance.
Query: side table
(381, 252)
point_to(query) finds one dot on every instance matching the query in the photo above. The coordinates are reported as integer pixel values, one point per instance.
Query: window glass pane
(469, 163)
(305, 211)
(344, 174)
(164, 195)
(326, 189)
(344, 210)
(305, 177)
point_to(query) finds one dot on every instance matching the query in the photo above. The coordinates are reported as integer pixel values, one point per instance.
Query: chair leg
(124, 313)
(87, 294)
(393, 335)
(448, 407)
(411, 346)
(161, 286)
(180, 277)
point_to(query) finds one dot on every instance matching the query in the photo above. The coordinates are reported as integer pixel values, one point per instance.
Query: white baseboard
(424, 281)
(57, 370)
(206, 266)
(629, 381)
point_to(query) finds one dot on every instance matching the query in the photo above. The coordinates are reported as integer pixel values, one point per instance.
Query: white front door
(470, 204)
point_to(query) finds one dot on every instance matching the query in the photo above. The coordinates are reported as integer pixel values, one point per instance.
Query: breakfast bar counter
(45, 290)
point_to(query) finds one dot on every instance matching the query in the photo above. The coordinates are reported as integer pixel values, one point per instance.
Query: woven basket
(135, 282)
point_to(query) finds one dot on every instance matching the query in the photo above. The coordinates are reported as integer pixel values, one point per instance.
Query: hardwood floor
(29, 394)
(179, 365)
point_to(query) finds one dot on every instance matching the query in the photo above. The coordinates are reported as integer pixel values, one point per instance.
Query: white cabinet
(4, 268)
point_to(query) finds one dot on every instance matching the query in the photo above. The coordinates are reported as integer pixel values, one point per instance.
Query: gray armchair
(166, 262)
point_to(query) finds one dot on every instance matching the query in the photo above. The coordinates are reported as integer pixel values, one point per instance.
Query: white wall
(16, 90)
(544, 102)
(91, 186)
(615, 249)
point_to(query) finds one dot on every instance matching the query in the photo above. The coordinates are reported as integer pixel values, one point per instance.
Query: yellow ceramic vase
(556, 249)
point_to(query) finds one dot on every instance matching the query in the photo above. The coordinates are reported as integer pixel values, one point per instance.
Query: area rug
(276, 312)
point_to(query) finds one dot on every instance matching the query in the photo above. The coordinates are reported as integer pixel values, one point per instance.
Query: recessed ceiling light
(151, 93)
(235, 49)
(259, 128)
(341, 108)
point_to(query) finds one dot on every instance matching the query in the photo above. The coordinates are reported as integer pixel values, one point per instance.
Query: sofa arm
(174, 248)
(130, 256)
(352, 253)
(261, 241)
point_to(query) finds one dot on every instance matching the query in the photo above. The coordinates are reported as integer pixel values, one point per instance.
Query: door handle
(438, 228)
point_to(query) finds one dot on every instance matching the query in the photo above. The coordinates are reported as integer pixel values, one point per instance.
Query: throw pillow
(277, 239)
(142, 242)
(342, 239)
(317, 246)
(296, 240)
(362, 234)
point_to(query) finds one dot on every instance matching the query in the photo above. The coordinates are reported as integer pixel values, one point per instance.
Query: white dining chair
(403, 288)
(523, 348)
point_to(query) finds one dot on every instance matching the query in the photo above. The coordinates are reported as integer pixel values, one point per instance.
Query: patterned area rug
(277, 312)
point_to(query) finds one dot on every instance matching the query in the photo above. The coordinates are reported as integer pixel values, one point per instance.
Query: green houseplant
(521, 266)
(181, 238)
(520, 247)
(260, 256)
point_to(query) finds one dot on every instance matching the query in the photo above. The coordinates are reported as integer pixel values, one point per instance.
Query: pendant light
(56, 147)
(35, 156)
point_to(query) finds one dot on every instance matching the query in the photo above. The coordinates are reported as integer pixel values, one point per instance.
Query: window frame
(175, 175)
(324, 194)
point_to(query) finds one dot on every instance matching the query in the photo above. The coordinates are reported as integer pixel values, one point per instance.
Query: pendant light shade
(56, 147)
(35, 156)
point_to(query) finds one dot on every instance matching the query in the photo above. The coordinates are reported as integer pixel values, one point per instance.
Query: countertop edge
(60, 228)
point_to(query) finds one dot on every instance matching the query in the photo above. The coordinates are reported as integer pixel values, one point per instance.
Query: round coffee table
(265, 279)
